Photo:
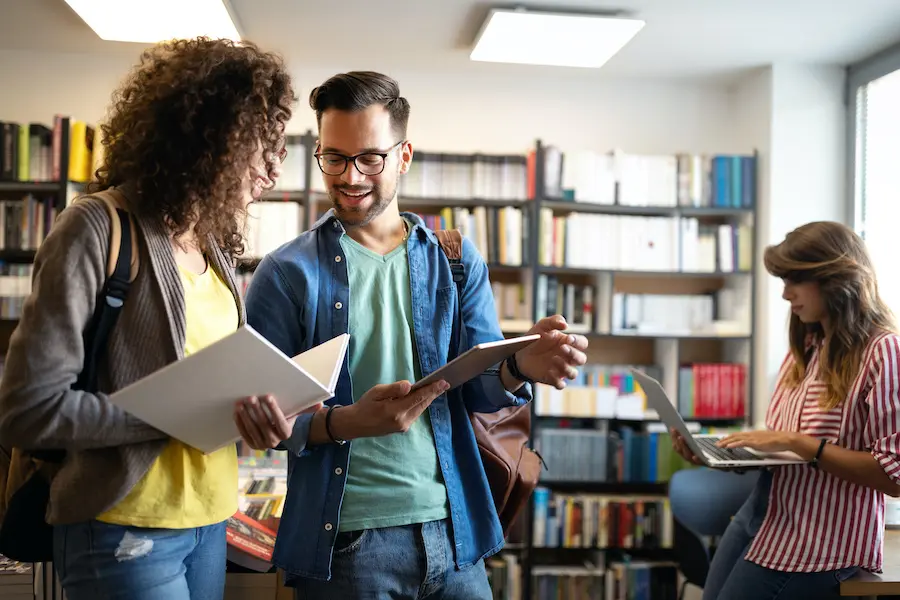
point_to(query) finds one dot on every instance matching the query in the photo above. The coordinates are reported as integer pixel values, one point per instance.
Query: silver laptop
(704, 445)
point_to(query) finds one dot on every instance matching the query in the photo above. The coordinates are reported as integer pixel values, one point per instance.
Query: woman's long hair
(833, 256)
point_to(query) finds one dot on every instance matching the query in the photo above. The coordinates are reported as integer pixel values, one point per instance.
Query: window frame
(859, 75)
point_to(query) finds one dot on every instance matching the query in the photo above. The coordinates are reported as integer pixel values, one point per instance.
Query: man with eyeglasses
(387, 495)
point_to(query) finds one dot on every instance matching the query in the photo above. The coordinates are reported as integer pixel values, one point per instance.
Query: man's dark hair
(358, 90)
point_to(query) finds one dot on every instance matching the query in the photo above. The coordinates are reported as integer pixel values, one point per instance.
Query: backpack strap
(122, 268)
(450, 241)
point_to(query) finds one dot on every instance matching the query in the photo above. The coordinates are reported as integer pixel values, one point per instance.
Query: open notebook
(193, 399)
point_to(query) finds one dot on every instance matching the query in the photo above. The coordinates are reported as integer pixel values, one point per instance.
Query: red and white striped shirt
(816, 521)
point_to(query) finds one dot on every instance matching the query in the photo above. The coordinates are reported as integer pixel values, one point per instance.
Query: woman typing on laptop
(836, 404)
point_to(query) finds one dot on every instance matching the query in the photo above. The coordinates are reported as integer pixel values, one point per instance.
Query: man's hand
(261, 422)
(384, 409)
(553, 358)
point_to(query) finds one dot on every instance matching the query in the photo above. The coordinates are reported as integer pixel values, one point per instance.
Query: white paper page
(193, 399)
(325, 360)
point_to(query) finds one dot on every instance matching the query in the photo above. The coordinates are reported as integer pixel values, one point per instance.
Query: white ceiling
(682, 39)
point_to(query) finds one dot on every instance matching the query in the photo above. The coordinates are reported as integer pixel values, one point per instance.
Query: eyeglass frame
(349, 159)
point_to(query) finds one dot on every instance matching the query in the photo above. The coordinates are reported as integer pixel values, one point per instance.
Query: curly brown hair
(186, 125)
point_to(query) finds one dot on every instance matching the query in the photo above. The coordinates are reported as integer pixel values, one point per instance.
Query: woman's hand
(682, 448)
(261, 422)
(762, 440)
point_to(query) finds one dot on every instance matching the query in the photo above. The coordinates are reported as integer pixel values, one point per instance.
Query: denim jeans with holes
(412, 562)
(101, 561)
(731, 577)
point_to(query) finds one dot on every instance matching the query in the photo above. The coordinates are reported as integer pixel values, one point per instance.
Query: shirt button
(328, 526)
(337, 259)
(338, 305)
(338, 471)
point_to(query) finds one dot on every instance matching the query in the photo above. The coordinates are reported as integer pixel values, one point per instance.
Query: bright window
(877, 179)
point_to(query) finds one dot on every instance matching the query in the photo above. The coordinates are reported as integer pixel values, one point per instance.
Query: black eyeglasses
(367, 163)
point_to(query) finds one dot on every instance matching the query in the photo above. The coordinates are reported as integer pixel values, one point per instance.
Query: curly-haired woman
(807, 527)
(194, 135)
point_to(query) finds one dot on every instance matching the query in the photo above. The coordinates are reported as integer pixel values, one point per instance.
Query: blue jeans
(731, 577)
(412, 562)
(100, 561)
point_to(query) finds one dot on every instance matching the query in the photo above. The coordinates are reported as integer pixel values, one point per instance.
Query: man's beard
(359, 216)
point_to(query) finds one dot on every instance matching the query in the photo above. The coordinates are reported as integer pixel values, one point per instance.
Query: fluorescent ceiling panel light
(555, 39)
(152, 21)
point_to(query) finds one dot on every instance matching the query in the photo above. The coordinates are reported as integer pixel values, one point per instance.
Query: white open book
(193, 399)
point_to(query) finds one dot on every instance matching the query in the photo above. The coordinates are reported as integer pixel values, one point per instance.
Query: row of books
(573, 301)
(635, 243)
(505, 576)
(712, 391)
(622, 580)
(465, 176)
(607, 455)
(600, 521)
(669, 180)
(722, 313)
(705, 391)
(512, 301)
(24, 223)
(641, 580)
(599, 391)
(15, 286)
(33, 151)
(501, 234)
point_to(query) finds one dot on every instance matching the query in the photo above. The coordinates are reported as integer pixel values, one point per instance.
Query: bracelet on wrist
(513, 368)
(814, 463)
(331, 436)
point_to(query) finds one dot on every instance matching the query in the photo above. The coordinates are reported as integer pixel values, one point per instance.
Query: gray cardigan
(108, 449)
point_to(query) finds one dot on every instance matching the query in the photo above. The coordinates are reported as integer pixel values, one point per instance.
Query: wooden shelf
(644, 211)
(17, 256)
(666, 336)
(31, 186)
(552, 270)
(607, 487)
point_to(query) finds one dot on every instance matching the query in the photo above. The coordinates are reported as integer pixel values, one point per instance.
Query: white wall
(795, 115)
(449, 112)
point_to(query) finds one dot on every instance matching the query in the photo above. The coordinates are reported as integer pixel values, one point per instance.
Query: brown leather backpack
(511, 466)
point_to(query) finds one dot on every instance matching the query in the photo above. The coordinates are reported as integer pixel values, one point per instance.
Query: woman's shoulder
(884, 346)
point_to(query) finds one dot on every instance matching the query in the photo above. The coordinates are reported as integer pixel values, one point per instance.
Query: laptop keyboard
(708, 445)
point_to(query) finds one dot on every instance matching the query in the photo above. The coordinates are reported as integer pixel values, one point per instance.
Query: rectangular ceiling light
(152, 21)
(555, 39)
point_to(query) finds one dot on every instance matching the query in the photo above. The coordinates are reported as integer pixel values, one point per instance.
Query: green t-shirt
(395, 479)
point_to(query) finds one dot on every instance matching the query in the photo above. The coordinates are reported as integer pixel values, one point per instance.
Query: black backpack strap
(109, 304)
(451, 243)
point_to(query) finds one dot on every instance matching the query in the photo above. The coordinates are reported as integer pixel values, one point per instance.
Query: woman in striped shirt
(807, 527)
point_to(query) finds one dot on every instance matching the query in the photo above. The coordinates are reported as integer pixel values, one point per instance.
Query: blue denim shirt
(298, 298)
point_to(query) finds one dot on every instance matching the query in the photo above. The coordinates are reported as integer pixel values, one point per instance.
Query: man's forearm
(341, 426)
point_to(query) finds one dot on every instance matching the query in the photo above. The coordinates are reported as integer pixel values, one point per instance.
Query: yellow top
(185, 488)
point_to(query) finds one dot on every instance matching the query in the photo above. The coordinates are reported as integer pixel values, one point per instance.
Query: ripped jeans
(101, 561)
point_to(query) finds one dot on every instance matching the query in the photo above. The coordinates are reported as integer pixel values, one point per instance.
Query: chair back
(703, 502)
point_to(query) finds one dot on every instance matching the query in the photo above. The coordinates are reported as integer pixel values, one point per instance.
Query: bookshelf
(523, 216)
(691, 358)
